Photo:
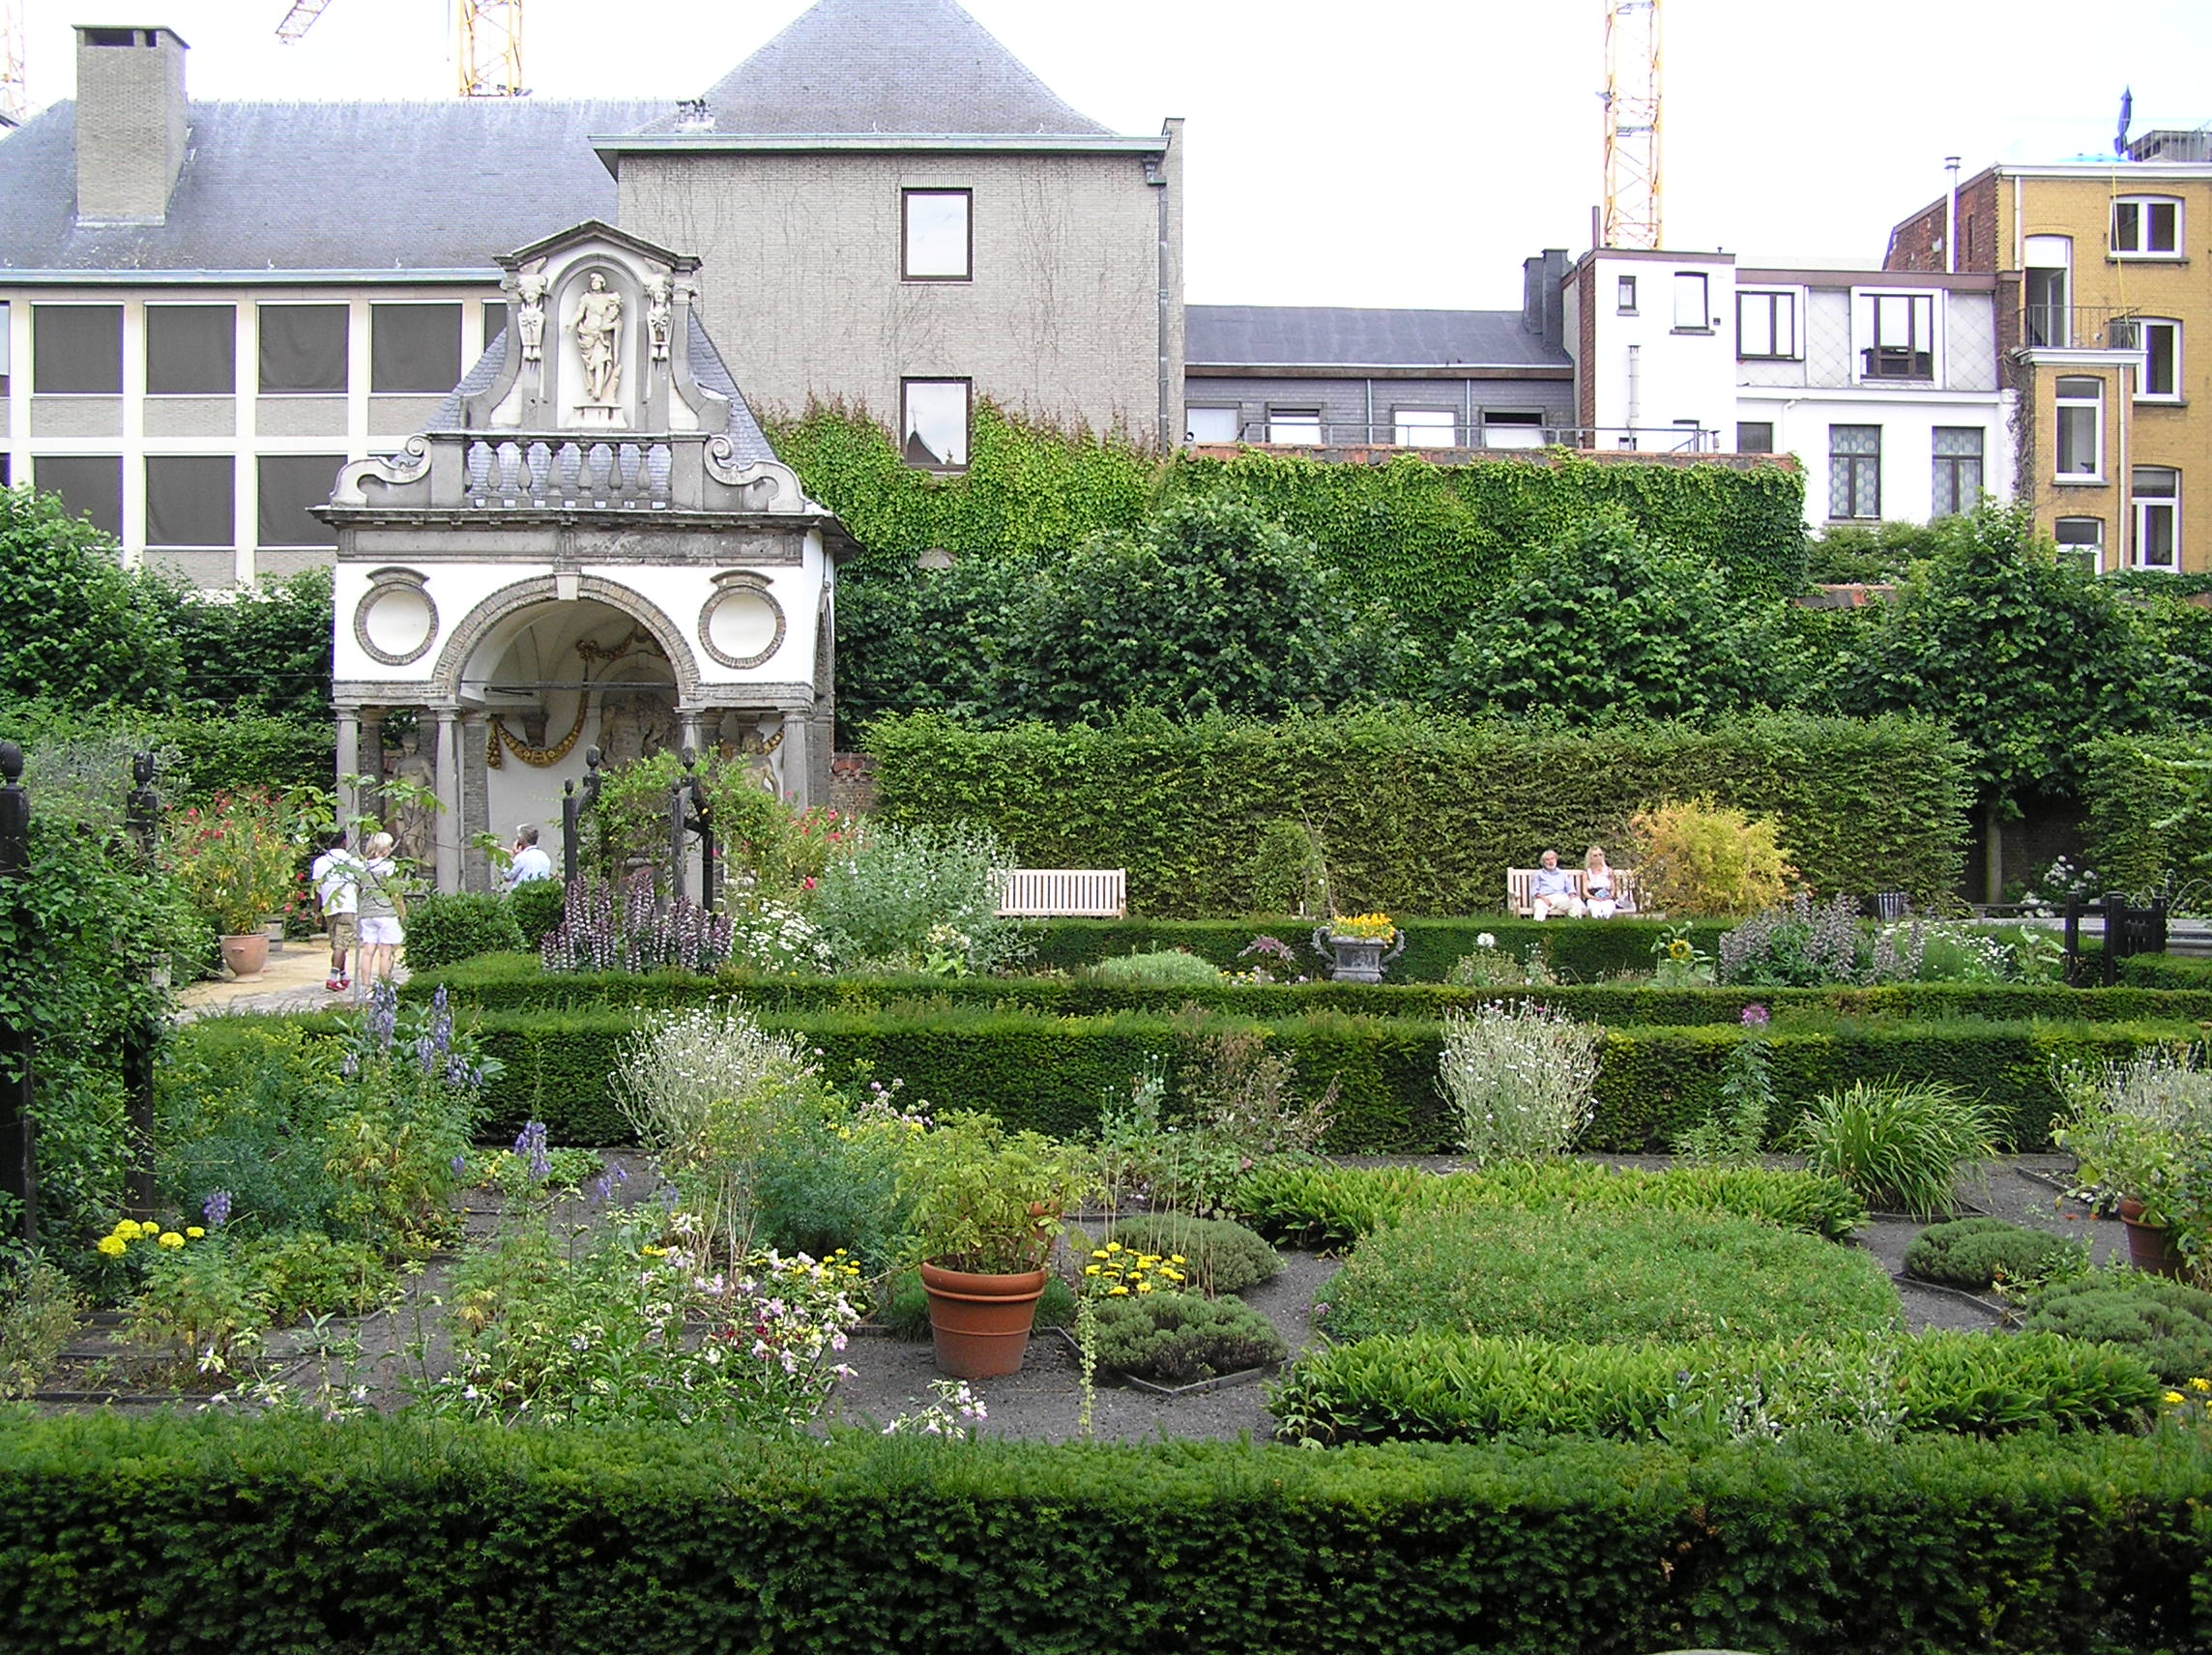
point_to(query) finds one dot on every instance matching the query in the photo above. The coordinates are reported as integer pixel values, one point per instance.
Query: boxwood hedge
(260, 1537)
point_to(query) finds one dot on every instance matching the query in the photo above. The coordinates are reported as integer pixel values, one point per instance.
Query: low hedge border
(1051, 1072)
(261, 1536)
(516, 982)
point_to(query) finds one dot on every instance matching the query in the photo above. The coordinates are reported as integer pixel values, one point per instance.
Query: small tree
(75, 626)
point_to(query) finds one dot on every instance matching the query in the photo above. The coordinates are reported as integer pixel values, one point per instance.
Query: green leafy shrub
(76, 624)
(303, 1273)
(1178, 1338)
(535, 905)
(1976, 1253)
(1603, 1278)
(444, 930)
(1520, 1080)
(2169, 1326)
(246, 1105)
(919, 898)
(1452, 1387)
(39, 1308)
(1698, 860)
(1219, 1255)
(1898, 1144)
(1162, 967)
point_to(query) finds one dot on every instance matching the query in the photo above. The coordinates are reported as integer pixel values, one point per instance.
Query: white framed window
(1295, 425)
(1854, 471)
(1624, 296)
(1766, 325)
(937, 237)
(933, 416)
(414, 349)
(77, 350)
(2082, 540)
(1899, 334)
(1693, 314)
(4, 347)
(287, 487)
(1957, 482)
(301, 350)
(2160, 341)
(2157, 491)
(1424, 427)
(1512, 429)
(2049, 319)
(2080, 447)
(192, 351)
(1213, 424)
(189, 499)
(2147, 226)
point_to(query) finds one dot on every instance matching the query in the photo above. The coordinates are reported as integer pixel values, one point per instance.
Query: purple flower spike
(216, 1209)
(1756, 1017)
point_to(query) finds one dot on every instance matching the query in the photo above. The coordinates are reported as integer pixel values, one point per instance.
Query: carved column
(449, 832)
(349, 764)
(372, 762)
(792, 761)
(476, 799)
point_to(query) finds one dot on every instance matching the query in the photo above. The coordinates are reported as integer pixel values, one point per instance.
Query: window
(2161, 343)
(494, 320)
(5, 348)
(91, 485)
(2080, 429)
(1214, 424)
(191, 350)
(1754, 437)
(1424, 427)
(288, 484)
(302, 349)
(1295, 425)
(189, 499)
(1512, 429)
(414, 349)
(1901, 336)
(934, 417)
(2050, 266)
(77, 350)
(1692, 314)
(1624, 300)
(1854, 471)
(2082, 540)
(2147, 226)
(938, 242)
(1957, 480)
(2158, 516)
(1766, 325)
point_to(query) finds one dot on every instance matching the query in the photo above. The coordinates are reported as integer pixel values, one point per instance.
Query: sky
(1401, 153)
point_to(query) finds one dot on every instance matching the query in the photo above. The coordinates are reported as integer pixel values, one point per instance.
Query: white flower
(1485, 940)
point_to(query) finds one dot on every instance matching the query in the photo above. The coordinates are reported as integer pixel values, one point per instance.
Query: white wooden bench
(1521, 892)
(1064, 893)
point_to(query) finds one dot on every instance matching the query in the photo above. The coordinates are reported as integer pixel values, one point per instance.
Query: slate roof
(1329, 336)
(328, 187)
(911, 67)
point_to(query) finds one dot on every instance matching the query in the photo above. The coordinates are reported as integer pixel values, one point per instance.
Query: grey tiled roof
(354, 186)
(911, 67)
(1328, 335)
(748, 443)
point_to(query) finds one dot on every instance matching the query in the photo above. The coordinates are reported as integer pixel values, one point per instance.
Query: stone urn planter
(1357, 959)
(979, 1324)
(2151, 1247)
(247, 956)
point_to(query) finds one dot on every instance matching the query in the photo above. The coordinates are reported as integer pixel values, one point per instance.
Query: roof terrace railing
(1313, 432)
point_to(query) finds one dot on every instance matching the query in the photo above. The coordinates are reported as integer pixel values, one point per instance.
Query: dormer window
(2147, 226)
(1899, 336)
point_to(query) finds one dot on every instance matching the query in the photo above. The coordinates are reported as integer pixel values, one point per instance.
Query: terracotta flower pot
(2151, 1247)
(245, 955)
(980, 1325)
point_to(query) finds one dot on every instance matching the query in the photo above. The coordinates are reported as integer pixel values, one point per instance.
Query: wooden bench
(1521, 892)
(1064, 893)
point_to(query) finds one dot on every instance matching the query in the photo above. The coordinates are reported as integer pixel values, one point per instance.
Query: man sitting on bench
(1555, 890)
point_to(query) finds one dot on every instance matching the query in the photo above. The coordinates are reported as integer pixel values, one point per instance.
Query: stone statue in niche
(658, 316)
(414, 823)
(598, 336)
(756, 748)
(530, 316)
(635, 724)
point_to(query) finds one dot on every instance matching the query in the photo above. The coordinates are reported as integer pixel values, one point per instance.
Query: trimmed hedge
(272, 1536)
(1050, 1072)
(1455, 1387)
(515, 982)
(2145, 816)
(1423, 816)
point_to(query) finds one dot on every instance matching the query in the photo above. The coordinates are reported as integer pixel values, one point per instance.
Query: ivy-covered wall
(1423, 816)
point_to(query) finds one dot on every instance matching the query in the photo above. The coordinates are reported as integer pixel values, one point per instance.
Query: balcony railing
(2077, 327)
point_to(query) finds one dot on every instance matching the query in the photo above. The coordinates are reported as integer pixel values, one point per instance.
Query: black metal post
(677, 827)
(141, 813)
(573, 804)
(2115, 936)
(19, 1049)
(2072, 964)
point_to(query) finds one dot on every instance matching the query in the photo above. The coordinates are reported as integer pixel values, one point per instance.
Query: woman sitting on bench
(1597, 884)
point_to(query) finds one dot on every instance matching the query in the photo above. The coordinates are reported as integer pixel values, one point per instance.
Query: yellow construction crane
(1631, 99)
(489, 54)
(14, 97)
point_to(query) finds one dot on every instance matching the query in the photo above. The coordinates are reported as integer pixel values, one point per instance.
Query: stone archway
(478, 625)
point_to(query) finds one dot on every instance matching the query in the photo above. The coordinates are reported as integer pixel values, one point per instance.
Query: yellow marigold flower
(2173, 1396)
(1090, 1270)
(1098, 1252)
(113, 1246)
(655, 1252)
(170, 1238)
(1116, 1292)
(194, 1231)
(1177, 1259)
(1143, 1287)
(2200, 1384)
(1114, 1247)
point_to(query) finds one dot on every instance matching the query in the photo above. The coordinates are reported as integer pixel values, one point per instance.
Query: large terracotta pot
(247, 956)
(980, 1325)
(2151, 1247)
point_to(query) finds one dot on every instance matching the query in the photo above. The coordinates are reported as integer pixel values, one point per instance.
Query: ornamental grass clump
(1901, 1145)
(1522, 1080)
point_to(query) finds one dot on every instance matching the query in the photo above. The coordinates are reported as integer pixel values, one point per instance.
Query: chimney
(130, 123)
(1543, 304)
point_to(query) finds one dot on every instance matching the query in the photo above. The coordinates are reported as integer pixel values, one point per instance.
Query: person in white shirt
(529, 862)
(336, 877)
